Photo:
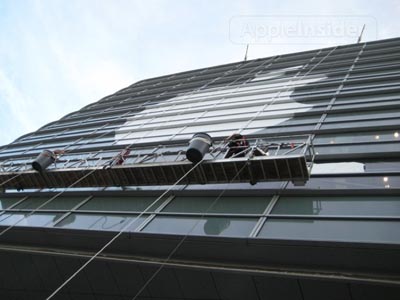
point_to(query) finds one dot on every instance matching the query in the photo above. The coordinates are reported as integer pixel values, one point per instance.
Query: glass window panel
(266, 123)
(166, 132)
(228, 118)
(234, 110)
(377, 105)
(7, 202)
(350, 116)
(284, 130)
(36, 219)
(352, 183)
(339, 205)
(100, 222)
(181, 115)
(356, 124)
(121, 203)
(150, 139)
(177, 122)
(367, 98)
(289, 105)
(358, 148)
(63, 203)
(356, 136)
(60, 203)
(119, 134)
(338, 168)
(213, 127)
(386, 166)
(205, 226)
(31, 203)
(332, 230)
(236, 205)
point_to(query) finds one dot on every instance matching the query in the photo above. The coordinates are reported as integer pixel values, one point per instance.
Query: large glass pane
(358, 148)
(234, 205)
(360, 124)
(31, 203)
(339, 205)
(36, 219)
(100, 222)
(58, 203)
(121, 203)
(332, 230)
(202, 226)
(363, 115)
(384, 166)
(353, 183)
(356, 136)
(356, 167)
(7, 202)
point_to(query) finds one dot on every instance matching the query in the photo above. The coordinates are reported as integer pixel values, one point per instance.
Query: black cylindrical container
(198, 147)
(44, 159)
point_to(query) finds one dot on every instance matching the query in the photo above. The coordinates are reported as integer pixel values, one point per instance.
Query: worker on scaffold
(118, 159)
(237, 145)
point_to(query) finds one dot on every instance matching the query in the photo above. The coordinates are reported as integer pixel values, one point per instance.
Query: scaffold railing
(280, 158)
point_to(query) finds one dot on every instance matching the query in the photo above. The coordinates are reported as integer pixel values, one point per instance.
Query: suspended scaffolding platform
(258, 163)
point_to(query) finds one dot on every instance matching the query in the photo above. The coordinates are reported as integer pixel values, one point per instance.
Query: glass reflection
(339, 205)
(216, 226)
(34, 220)
(242, 205)
(60, 203)
(332, 230)
(116, 203)
(7, 202)
(210, 226)
(99, 222)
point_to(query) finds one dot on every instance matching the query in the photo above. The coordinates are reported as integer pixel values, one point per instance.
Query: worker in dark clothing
(122, 156)
(237, 145)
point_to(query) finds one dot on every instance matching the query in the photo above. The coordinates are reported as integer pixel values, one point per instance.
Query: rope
(287, 88)
(47, 202)
(187, 234)
(10, 179)
(187, 95)
(129, 132)
(160, 197)
(120, 232)
(91, 172)
(212, 204)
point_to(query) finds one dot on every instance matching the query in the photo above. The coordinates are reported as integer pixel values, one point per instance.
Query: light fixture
(396, 134)
(385, 179)
(377, 137)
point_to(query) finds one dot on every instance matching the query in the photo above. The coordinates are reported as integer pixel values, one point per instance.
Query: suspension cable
(121, 231)
(160, 197)
(166, 260)
(287, 88)
(47, 202)
(202, 216)
(10, 179)
(91, 172)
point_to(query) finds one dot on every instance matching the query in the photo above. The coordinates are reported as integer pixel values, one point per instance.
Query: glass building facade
(337, 236)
